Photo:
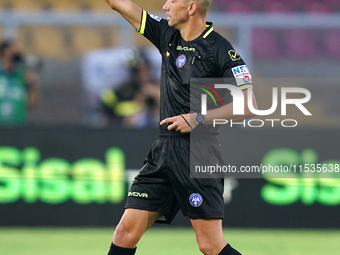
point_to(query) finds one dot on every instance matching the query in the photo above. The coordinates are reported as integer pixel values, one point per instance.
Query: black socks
(228, 250)
(116, 250)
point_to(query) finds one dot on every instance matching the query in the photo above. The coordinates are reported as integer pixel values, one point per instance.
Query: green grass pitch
(165, 241)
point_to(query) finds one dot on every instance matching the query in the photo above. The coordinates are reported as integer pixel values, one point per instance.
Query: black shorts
(164, 184)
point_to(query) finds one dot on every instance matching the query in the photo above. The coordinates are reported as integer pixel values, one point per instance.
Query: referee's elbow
(249, 114)
(113, 4)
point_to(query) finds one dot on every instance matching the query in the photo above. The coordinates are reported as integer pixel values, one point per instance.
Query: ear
(192, 8)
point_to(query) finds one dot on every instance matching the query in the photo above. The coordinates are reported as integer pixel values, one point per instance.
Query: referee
(190, 48)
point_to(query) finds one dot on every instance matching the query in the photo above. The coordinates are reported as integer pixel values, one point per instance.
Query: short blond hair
(203, 5)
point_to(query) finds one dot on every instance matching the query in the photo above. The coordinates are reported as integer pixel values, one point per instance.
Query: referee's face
(177, 12)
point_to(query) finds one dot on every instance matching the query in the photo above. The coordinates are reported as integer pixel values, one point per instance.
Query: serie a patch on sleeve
(242, 75)
(155, 17)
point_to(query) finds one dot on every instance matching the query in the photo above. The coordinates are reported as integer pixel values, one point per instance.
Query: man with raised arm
(190, 48)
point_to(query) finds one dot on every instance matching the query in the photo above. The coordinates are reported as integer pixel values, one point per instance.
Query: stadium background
(285, 43)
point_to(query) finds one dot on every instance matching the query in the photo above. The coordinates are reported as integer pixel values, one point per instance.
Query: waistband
(173, 134)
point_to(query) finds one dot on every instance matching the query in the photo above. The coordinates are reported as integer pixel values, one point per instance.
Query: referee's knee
(126, 235)
(208, 248)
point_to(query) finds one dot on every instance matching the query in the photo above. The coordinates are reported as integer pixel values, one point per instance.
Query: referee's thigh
(132, 226)
(209, 235)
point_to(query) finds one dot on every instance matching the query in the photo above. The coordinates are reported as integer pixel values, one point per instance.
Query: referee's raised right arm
(129, 10)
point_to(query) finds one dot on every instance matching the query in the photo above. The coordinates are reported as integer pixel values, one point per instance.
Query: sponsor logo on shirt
(181, 60)
(155, 17)
(185, 48)
(242, 75)
(247, 79)
(234, 55)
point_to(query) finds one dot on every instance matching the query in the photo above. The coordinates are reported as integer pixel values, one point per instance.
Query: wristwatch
(199, 119)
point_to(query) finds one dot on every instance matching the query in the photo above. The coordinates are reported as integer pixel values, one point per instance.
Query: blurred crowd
(135, 102)
(132, 103)
(277, 6)
(245, 6)
(19, 88)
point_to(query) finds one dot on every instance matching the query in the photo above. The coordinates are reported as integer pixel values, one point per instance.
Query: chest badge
(181, 60)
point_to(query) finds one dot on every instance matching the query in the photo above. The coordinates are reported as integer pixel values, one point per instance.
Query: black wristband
(187, 122)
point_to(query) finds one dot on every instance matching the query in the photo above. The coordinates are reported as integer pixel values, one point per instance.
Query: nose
(165, 6)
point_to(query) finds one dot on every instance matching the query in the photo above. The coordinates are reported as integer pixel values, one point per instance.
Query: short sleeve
(155, 29)
(232, 66)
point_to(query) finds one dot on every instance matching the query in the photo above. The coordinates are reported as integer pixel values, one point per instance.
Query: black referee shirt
(208, 56)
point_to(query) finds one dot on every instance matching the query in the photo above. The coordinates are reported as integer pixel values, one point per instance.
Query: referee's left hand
(178, 123)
